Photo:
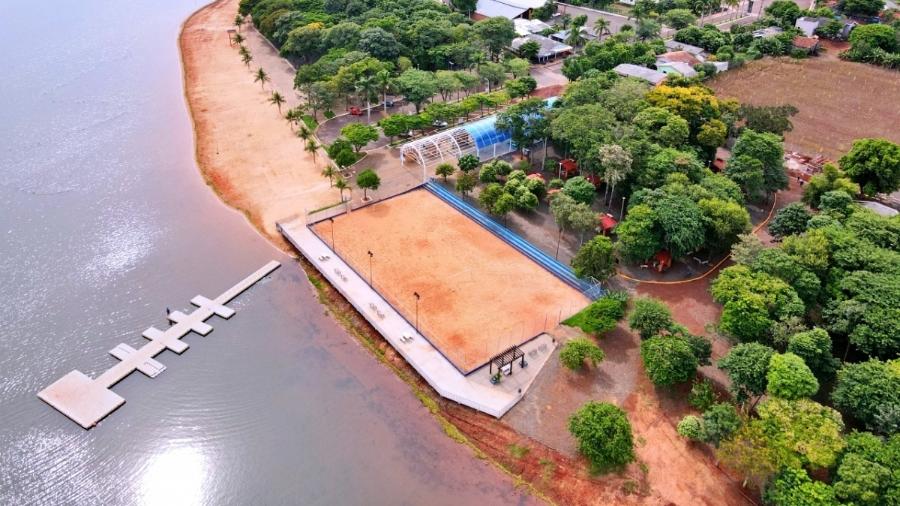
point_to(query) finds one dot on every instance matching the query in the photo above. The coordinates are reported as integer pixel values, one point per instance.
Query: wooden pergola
(507, 357)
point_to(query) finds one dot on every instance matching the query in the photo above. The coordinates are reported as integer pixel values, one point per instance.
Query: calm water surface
(105, 222)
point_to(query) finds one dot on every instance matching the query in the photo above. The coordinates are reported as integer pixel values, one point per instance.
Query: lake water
(106, 222)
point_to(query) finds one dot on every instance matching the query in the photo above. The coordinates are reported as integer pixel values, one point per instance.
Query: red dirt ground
(478, 295)
(839, 101)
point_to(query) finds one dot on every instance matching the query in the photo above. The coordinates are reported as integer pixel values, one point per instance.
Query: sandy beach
(245, 150)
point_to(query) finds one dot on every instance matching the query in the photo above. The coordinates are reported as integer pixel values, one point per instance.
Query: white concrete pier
(87, 401)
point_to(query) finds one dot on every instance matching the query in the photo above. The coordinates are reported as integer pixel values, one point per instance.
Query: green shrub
(603, 434)
(720, 421)
(790, 378)
(649, 317)
(668, 360)
(702, 395)
(691, 427)
(575, 351)
(600, 316)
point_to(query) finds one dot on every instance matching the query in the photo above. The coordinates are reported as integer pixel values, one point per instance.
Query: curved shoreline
(244, 149)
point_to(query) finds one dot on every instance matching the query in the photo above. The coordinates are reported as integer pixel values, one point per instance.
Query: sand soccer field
(478, 295)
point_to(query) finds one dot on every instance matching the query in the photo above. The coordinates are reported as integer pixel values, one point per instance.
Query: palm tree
(341, 184)
(574, 38)
(330, 173)
(277, 99)
(238, 21)
(261, 77)
(367, 86)
(601, 26)
(303, 133)
(246, 58)
(238, 38)
(313, 148)
(384, 81)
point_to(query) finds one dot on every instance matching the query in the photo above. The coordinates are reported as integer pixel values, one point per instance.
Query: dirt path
(245, 149)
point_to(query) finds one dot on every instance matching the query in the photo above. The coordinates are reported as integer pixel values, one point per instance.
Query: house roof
(805, 42)
(681, 46)
(495, 9)
(526, 26)
(607, 222)
(510, 9)
(678, 56)
(549, 47)
(649, 75)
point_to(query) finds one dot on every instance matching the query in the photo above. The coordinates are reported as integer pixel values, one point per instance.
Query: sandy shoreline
(245, 150)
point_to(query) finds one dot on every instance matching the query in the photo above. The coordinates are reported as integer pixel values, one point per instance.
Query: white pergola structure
(480, 138)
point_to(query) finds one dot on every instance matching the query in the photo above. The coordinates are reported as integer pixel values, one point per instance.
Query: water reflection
(174, 477)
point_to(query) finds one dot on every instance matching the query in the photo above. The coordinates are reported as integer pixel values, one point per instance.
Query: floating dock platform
(88, 400)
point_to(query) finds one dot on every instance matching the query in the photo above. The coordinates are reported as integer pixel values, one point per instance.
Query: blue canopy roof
(485, 133)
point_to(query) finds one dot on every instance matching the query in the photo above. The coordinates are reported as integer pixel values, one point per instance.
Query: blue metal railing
(557, 268)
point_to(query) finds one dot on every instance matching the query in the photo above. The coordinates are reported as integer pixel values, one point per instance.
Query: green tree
(368, 180)
(394, 125)
(603, 434)
(874, 164)
(772, 119)
(444, 170)
(836, 203)
(494, 74)
(702, 395)
(575, 351)
(600, 316)
(504, 204)
(814, 347)
(529, 50)
(792, 425)
(277, 100)
(341, 184)
(468, 163)
(682, 224)
(747, 172)
(793, 487)
(766, 148)
(489, 195)
(595, 259)
(668, 360)
(650, 317)
(261, 77)
(690, 427)
(417, 86)
(580, 190)
(679, 18)
(359, 135)
(518, 67)
(720, 422)
(466, 182)
(379, 43)
(724, 222)
(616, 163)
(525, 122)
(639, 238)
(747, 366)
(866, 474)
(862, 8)
(790, 378)
(748, 452)
(789, 220)
(785, 11)
(496, 33)
(867, 390)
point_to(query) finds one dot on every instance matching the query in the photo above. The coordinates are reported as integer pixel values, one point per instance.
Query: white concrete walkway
(474, 390)
(87, 401)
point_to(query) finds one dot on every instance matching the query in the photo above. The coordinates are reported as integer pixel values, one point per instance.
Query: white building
(510, 9)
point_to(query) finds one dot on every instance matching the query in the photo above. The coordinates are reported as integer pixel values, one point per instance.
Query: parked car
(439, 123)
(356, 111)
(389, 102)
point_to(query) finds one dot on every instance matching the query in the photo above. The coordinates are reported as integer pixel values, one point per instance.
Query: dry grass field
(839, 101)
(479, 296)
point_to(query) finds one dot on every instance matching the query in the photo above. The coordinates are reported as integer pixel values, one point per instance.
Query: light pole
(416, 294)
(558, 240)
(622, 210)
(370, 266)
(332, 233)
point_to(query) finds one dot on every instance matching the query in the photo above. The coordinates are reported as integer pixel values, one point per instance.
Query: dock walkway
(87, 401)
